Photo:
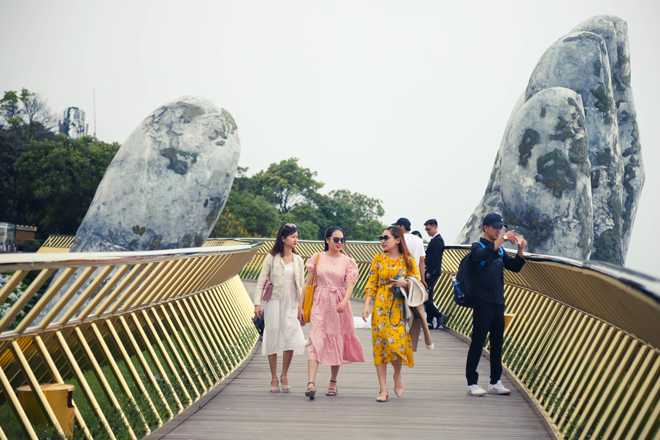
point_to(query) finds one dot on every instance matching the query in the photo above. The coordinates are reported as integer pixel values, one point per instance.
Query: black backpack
(466, 278)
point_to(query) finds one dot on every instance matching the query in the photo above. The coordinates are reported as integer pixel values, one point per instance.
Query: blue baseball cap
(494, 221)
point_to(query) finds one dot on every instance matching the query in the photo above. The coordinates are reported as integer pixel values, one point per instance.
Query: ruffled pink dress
(332, 338)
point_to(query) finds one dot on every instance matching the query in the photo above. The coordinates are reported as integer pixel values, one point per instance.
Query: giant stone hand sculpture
(569, 171)
(167, 184)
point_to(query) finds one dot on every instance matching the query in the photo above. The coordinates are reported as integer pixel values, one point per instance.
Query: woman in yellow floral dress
(388, 331)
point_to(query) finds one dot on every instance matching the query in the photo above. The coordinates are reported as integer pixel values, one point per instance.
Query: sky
(402, 101)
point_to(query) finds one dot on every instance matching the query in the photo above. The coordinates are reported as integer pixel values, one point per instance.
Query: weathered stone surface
(546, 187)
(581, 62)
(614, 32)
(167, 184)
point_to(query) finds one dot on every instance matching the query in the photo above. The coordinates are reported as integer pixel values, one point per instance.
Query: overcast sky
(358, 90)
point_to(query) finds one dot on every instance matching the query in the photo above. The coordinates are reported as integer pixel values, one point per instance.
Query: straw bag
(309, 292)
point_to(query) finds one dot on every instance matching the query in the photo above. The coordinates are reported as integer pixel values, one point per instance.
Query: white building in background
(73, 124)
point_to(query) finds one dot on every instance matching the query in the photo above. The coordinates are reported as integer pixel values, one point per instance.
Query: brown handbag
(309, 292)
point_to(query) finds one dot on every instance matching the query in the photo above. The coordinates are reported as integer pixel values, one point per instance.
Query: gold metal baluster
(165, 282)
(144, 286)
(183, 286)
(630, 394)
(595, 369)
(44, 300)
(103, 293)
(174, 350)
(612, 367)
(54, 372)
(175, 332)
(595, 346)
(227, 322)
(24, 299)
(206, 334)
(86, 294)
(102, 380)
(140, 300)
(131, 368)
(644, 400)
(67, 296)
(166, 356)
(115, 370)
(14, 281)
(125, 298)
(200, 341)
(123, 284)
(214, 332)
(616, 401)
(87, 391)
(10, 396)
(176, 279)
(35, 387)
(143, 362)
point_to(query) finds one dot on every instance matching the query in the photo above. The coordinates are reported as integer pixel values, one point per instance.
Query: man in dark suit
(434, 252)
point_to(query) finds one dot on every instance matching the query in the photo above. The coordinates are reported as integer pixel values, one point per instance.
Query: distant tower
(73, 124)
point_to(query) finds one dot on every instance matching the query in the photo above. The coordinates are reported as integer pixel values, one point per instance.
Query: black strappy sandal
(311, 391)
(332, 391)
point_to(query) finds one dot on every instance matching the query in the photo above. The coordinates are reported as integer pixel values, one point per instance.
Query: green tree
(259, 218)
(286, 184)
(58, 179)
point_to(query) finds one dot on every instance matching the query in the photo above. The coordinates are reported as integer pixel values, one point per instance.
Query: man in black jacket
(434, 252)
(490, 260)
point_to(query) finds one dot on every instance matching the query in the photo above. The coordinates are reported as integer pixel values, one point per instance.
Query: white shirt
(415, 246)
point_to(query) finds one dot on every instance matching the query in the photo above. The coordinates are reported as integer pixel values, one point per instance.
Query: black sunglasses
(384, 237)
(337, 239)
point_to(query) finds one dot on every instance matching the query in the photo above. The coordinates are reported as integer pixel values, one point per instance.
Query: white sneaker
(475, 390)
(498, 388)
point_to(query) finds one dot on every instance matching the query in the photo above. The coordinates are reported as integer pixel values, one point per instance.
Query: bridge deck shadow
(434, 403)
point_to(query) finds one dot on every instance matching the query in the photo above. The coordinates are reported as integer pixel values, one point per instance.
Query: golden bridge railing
(584, 341)
(141, 335)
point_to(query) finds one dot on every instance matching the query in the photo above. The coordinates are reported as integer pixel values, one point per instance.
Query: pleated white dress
(282, 330)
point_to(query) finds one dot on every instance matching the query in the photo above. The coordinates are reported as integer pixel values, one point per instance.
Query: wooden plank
(435, 403)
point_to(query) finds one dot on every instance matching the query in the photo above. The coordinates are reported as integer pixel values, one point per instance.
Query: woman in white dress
(283, 334)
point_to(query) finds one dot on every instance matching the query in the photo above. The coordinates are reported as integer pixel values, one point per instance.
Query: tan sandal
(274, 389)
(285, 388)
(387, 397)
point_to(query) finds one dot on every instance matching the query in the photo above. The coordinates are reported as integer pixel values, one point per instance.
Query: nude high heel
(274, 389)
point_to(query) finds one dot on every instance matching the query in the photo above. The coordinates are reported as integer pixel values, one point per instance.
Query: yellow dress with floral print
(388, 333)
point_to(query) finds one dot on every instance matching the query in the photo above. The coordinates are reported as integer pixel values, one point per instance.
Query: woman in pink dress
(332, 338)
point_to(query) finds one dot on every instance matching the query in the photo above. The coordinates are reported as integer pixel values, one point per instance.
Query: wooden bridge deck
(434, 404)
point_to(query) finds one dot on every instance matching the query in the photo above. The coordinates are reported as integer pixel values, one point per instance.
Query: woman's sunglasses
(337, 239)
(290, 225)
(384, 237)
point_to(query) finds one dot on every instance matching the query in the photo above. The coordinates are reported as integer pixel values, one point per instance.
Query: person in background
(391, 342)
(282, 332)
(332, 337)
(415, 244)
(418, 234)
(434, 251)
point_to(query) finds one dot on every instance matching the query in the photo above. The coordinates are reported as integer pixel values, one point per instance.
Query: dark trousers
(429, 306)
(486, 318)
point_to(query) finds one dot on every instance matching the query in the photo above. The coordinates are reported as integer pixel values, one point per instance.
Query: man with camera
(490, 260)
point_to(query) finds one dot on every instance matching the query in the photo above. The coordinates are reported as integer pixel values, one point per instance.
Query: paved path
(434, 404)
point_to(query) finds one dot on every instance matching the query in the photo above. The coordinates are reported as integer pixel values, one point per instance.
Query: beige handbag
(414, 298)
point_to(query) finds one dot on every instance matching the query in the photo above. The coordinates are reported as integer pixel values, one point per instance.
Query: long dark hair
(328, 233)
(397, 232)
(284, 232)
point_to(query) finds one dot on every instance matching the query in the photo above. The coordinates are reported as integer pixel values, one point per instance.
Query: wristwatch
(505, 237)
